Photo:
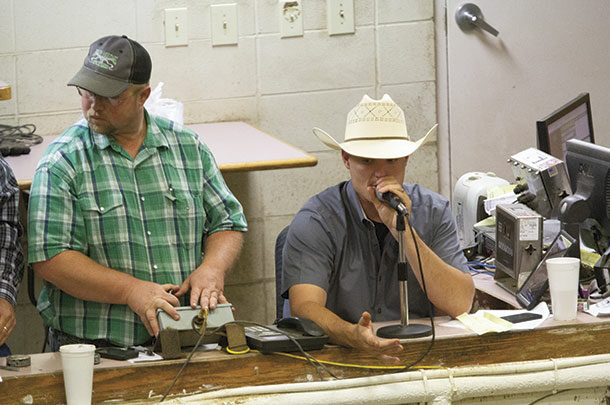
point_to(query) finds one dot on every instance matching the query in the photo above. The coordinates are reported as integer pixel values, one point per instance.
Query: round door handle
(468, 16)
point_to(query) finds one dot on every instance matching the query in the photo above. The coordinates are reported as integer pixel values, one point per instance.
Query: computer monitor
(571, 121)
(589, 205)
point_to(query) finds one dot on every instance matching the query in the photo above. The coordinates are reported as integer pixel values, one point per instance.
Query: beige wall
(282, 86)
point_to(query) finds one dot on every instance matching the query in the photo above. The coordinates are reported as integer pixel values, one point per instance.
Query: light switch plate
(224, 24)
(291, 18)
(340, 16)
(176, 33)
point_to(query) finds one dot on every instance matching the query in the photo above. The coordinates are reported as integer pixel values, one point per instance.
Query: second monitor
(571, 121)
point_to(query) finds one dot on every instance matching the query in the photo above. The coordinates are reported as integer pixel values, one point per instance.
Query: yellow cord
(203, 314)
(332, 363)
(246, 350)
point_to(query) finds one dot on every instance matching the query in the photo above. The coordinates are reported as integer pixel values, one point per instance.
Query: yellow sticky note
(484, 322)
(497, 191)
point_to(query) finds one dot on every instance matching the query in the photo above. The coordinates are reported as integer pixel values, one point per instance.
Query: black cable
(22, 133)
(548, 395)
(312, 360)
(430, 306)
(188, 359)
(17, 140)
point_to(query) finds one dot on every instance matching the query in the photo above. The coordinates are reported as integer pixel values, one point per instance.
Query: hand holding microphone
(393, 201)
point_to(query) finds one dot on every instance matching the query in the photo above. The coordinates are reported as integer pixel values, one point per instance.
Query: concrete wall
(283, 86)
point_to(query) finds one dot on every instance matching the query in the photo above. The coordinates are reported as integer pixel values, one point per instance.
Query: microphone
(393, 201)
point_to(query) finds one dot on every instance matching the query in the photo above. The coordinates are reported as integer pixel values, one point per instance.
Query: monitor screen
(571, 121)
(589, 172)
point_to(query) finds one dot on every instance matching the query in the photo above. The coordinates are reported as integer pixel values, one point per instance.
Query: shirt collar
(354, 203)
(154, 136)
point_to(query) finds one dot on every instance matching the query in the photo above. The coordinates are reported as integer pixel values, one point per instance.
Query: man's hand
(387, 214)
(7, 320)
(365, 339)
(145, 297)
(206, 285)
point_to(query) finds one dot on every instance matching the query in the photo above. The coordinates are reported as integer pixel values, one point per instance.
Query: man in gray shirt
(341, 250)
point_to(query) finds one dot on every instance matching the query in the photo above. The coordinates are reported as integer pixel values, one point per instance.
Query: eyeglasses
(113, 101)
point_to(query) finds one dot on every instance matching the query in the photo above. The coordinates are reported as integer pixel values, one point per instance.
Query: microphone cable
(430, 306)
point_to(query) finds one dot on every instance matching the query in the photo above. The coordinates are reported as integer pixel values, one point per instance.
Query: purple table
(237, 147)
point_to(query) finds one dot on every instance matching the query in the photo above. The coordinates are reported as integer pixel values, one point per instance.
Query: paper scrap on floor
(486, 320)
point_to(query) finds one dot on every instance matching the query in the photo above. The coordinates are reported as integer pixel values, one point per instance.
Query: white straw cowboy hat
(375, 129)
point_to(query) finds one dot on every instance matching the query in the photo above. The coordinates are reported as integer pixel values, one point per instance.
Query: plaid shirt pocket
(105, 219)
(190, 218)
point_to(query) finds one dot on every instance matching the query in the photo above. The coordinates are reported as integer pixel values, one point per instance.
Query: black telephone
(117, 353)
(272, 338)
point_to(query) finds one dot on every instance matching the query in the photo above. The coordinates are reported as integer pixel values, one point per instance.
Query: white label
(528, 229)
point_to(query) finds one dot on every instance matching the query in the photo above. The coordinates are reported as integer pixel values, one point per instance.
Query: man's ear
(143, 95)
(345, 157)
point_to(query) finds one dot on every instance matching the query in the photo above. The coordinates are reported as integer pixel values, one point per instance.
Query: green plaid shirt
(146, 217)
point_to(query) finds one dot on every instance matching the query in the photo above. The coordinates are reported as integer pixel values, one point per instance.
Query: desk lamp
(403, 330)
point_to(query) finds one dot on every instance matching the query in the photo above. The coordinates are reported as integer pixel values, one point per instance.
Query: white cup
(77, 363)
(563, 283)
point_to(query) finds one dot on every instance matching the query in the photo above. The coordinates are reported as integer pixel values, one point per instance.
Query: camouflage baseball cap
(112, 65)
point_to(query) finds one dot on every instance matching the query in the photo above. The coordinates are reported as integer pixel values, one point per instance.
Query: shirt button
(171, 189)
(148, 233)
(155, 266)
(378, 310)
(380, 278)
(142, 198)
(101, 208)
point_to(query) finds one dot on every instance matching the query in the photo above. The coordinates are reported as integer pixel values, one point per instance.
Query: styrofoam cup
(77, 363)
(563, 283)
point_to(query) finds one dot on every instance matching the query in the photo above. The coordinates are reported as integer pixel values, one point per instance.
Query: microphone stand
(403, 330)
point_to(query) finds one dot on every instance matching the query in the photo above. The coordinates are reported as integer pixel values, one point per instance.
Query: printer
(469, 195)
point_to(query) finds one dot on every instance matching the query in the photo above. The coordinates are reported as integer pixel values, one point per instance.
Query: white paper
(541, 309)
(142, 356)
(602, 308)
(490, 203)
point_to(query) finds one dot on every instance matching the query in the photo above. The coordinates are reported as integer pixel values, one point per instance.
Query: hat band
(376, 138)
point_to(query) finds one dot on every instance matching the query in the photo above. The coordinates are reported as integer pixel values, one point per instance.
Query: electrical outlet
(176, 33)
(291, 19)
(224, 24)
(340, 17)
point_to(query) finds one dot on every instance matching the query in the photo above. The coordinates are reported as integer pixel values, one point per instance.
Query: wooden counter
(116, 381)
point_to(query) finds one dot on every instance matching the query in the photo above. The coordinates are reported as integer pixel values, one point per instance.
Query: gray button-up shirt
(331, 244)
